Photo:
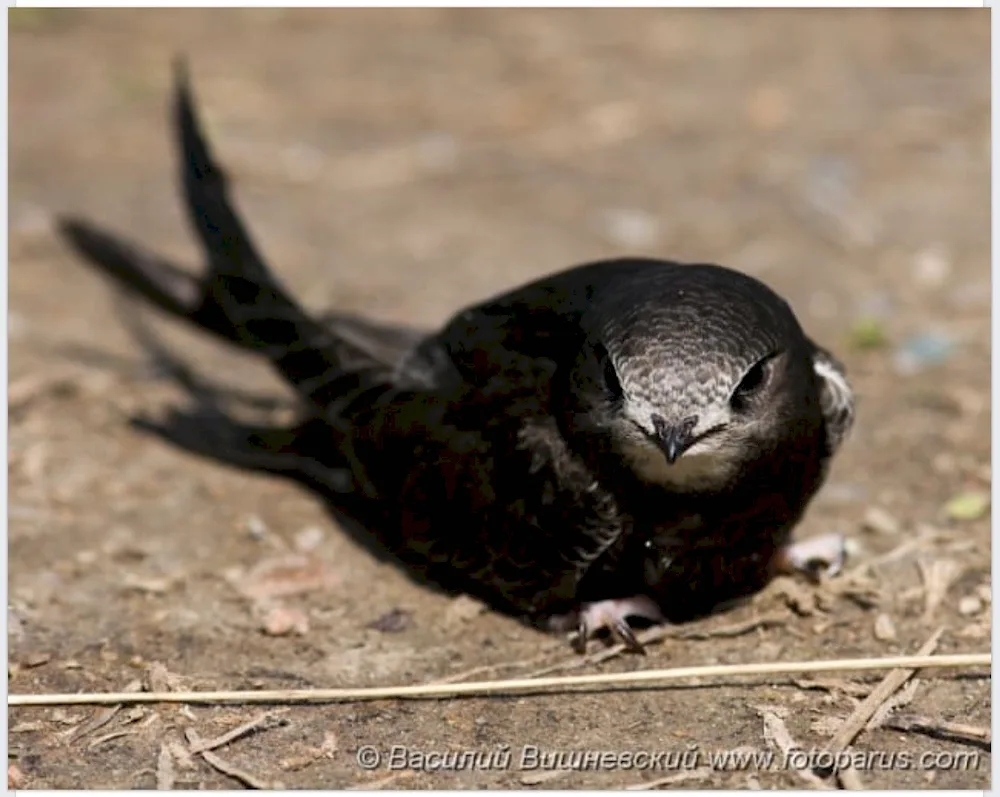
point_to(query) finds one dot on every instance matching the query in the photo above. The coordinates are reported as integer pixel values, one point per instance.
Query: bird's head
(691, 375)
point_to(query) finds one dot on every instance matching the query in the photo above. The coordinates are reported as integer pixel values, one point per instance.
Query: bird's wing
(532, 328)
(836, 396)
(396, 346)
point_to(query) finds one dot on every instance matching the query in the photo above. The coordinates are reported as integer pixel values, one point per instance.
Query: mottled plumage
(625, 437)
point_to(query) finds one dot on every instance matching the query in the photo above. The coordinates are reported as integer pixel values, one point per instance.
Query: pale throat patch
(692, 471)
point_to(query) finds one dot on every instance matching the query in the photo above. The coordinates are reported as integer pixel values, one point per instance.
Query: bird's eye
(611, 381)
(752, 382)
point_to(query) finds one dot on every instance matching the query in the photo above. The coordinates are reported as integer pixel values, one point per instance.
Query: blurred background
(403, 163)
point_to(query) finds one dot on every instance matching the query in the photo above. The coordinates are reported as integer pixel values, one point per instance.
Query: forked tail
(238, 299)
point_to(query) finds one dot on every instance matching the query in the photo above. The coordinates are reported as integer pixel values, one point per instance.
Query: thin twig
(669, 780)
(108, 737)
(659, 633)
(850, 779)
(166, 771)
(103, 717)
(957, 731)
(777, 734)
(866, 709)
(506, 665)
(506, 686)
(223, 766)
(902, 698)
(263, 722)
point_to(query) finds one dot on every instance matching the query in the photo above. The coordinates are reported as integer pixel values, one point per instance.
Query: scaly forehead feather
(685, 336)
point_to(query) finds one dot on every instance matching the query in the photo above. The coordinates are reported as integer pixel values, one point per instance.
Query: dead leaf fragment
(938, 577)
(970, 505)
(282, 576)
(160, 679)
(879, 521)
(15, 777)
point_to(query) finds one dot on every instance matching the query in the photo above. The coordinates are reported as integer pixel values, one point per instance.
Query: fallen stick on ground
(505, 686)
(223, 766)
(660, 633)
(866, 709)
(777, 734)
(931, 726)
(263, 722)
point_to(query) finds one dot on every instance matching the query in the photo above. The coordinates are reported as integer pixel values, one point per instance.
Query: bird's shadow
(206, 427)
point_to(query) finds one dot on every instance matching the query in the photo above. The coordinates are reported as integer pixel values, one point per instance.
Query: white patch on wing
(836, 380)
(692, 471)
(836, 399)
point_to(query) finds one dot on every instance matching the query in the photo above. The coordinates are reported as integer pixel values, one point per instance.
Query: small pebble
(309, 539)
(281, 621)
(969, 605)
(852, 547)
(885, 629)
(255, 527)
(880, 521)
(985, 593)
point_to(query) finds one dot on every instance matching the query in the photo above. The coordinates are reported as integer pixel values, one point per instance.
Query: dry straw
(516, 685)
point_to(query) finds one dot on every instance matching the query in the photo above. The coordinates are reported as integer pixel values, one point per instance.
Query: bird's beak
(676, 439)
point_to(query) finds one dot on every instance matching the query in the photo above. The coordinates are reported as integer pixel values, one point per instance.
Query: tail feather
(238, 299)
(227, 242)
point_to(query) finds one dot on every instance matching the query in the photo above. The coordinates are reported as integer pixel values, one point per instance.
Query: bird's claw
(824, 554)
(612, 614)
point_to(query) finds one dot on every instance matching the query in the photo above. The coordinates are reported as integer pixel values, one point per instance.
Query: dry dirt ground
(401, 164)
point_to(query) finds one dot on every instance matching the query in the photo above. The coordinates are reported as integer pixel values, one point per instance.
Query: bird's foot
(824, 554)
(609, 614)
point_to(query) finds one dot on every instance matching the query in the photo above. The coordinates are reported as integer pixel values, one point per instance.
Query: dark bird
(627, 438)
